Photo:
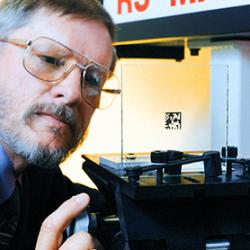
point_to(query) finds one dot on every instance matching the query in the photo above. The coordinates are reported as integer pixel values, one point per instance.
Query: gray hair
(16, 13)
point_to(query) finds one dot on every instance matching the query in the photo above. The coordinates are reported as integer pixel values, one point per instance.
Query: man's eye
(52, 60)
(93, 80)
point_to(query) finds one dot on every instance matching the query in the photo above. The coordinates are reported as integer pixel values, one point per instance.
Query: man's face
(38, 120)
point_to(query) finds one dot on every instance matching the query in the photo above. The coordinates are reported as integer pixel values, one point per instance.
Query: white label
(124, 11)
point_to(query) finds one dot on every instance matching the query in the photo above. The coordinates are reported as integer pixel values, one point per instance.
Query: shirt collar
(7, 176)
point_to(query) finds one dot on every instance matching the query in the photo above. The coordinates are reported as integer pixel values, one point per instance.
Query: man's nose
(69, 90)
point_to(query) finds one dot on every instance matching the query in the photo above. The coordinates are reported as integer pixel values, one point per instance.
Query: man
(56, 56)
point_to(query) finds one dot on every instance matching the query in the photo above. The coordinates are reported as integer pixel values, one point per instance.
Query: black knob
(174, 155)
(229, 151)
(161, 156)
(212, 163)
(133, 174)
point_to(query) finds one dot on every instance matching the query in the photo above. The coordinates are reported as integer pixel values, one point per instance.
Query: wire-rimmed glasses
(52, 61)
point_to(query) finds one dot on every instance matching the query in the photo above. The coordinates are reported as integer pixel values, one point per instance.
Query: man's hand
(51, 233)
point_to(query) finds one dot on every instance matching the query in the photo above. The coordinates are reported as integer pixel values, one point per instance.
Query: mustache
(63, 112)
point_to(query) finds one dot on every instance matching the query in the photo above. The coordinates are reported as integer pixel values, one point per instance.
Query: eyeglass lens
(51, 61)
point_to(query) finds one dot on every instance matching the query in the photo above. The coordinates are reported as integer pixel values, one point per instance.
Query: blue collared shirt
(7, 176)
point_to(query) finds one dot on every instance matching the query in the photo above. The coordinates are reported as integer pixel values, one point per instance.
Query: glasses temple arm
(112, 91)
(19, 42)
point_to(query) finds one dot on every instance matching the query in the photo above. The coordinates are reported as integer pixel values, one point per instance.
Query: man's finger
(78, 241)
(53, 226)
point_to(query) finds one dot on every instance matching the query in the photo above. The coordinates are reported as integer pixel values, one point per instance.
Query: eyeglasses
(51, 61)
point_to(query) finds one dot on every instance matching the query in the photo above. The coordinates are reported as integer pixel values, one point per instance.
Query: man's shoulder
(44, 177)
(36, 171)
(53, 185)
(44, 183)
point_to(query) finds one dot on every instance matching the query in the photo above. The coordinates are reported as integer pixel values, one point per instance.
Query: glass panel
(167, 106)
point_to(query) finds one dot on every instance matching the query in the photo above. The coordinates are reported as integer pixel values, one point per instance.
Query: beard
(37, 153)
